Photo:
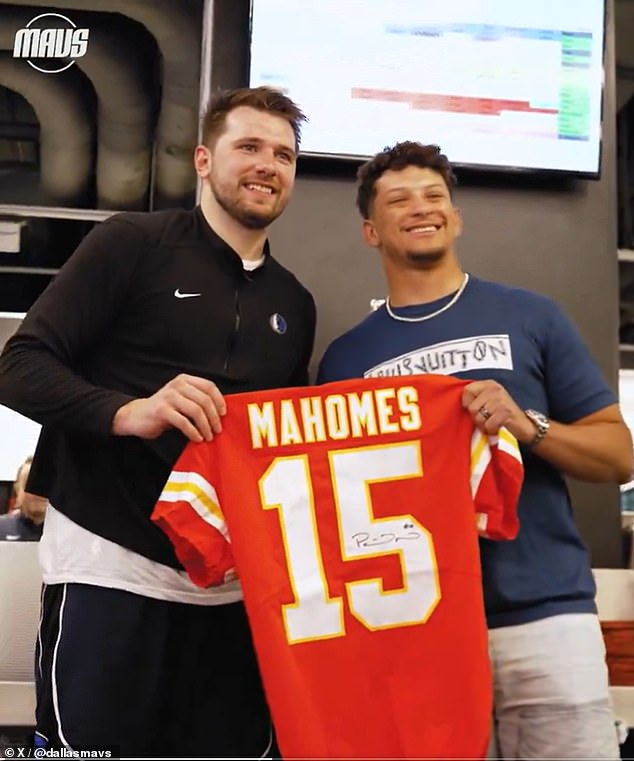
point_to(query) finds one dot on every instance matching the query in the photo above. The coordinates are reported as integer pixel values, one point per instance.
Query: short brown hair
(400, 156)
(263, 98)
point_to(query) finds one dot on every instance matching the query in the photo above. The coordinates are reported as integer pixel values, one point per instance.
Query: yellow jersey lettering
(312, 419)
(289, 427)
(362, 415)
(385, 410)
(337, 417)
(407, 400)
(356, 415)
(262, 424)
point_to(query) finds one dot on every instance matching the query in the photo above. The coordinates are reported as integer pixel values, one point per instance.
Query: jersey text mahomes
(335, 417)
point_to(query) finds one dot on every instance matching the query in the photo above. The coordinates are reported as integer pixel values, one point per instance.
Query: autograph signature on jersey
(365, 539)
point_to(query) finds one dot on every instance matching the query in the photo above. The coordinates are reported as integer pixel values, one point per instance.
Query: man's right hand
(192, 405)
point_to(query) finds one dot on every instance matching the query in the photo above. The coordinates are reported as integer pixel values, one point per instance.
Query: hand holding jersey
(190, 404)
(491, 407)
(352, 512)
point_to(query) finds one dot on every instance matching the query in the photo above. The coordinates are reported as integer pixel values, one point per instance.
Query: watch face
(538, 417)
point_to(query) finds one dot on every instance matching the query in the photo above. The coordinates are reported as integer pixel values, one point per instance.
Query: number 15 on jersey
(315, 614)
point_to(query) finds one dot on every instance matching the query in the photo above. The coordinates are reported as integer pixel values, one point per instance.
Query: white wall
(626, 396)
(626, 400)
(18, 435)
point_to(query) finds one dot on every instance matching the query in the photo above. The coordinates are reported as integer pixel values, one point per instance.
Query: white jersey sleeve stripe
(198, 502)
(508, 443)
(191, 477)
(199, 498)
(480, 459)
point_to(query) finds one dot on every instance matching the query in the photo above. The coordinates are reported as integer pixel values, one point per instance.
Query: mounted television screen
(495, 83)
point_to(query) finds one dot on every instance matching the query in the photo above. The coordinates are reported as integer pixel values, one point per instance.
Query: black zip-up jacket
(119, 321)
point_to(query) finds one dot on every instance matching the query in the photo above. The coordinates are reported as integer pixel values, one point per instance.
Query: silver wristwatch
(541, 423)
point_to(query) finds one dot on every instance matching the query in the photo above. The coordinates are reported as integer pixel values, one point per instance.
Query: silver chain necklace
(424, 317)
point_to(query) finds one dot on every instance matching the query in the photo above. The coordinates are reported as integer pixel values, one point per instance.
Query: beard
(424, 259)
(249, 217)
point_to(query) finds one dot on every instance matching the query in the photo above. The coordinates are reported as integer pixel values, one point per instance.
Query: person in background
(123, 359)
(531, 373)
(24, 523)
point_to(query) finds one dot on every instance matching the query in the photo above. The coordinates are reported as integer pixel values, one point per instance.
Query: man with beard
(532, 374)
(123, 359)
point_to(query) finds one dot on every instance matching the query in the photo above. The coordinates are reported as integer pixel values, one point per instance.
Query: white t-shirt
(72, 554)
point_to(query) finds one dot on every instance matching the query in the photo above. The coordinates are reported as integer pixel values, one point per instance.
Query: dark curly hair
(266, 99)
(400, 156)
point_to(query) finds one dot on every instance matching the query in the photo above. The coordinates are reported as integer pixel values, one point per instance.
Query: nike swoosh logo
(180, 295)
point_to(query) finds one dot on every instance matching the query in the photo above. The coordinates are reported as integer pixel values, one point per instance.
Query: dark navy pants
(149, 677)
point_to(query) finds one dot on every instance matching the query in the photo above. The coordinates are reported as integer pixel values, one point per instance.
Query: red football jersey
(352, 510)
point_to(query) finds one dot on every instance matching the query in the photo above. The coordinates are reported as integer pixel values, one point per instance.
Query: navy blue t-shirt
(526, 343)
